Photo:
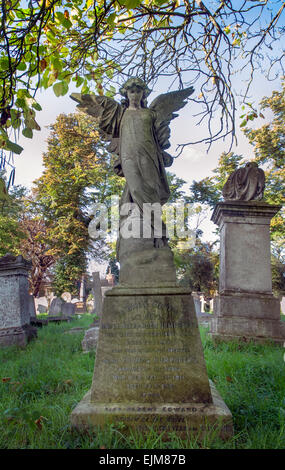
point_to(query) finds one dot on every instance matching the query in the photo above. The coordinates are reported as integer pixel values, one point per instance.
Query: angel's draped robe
(141, 159)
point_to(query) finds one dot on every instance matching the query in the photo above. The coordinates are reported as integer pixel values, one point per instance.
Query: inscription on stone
(148, 350)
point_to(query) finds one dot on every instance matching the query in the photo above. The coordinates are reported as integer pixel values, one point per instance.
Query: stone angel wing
(106, 110)
(164, 106)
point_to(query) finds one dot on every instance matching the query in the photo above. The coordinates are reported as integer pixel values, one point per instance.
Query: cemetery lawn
(40, 385)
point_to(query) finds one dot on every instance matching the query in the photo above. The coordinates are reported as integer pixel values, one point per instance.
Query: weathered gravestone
(32, 307)
(149, 369)
(15, 325)
(90, 340)
(245, 308)
(56, 306)
(97, 293)
(68, 309)
(41, 304)
(42, 308)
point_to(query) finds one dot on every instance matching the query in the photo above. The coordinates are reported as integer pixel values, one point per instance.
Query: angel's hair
(140, 84)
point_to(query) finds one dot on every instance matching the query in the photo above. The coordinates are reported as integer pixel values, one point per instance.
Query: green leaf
(130, 4)
(79, 81)
(14, 147)
(64, 88)
(111, 19)
(66, 23)
(58, 88)
(22, 66)
(57, 64)
(27, 132)
(37, 106)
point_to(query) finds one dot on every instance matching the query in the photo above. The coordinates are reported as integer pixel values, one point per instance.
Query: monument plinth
(245, 307)
(150, 370)
(15, 316)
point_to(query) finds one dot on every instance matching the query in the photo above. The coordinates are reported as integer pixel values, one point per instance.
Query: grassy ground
(40, 385)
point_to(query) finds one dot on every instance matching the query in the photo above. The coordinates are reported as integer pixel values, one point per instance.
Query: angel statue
(139, 136)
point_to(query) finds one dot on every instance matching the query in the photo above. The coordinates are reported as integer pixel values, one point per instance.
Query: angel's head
(135, 92)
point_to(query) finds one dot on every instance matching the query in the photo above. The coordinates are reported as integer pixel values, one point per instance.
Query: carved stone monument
(150, 369)
(245, 308)
(15, 328)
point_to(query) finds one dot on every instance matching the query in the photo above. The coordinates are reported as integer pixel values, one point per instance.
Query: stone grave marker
(149, 369)
(15, 316)
(97, 293)
(56, 306)
(68, 309)
(245, 307)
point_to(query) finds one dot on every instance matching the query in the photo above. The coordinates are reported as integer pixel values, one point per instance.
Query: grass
(40, 385)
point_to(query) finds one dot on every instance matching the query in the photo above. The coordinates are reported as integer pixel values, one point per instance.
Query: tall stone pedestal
(245, 307)
(150, 370)
(15, 328)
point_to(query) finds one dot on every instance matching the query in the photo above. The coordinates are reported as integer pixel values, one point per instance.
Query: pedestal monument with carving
(245, 308)
(150, 370)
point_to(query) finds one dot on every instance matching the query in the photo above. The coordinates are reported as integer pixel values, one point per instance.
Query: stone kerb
(15, 315)
(245, 307)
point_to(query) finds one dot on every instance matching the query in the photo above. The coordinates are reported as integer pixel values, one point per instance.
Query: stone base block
(18, 335)
(247, 317)
(185, 419)
(150, 266)
(258, 306)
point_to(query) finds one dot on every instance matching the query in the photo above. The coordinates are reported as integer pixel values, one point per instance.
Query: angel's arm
(106, 110)
(165, 106)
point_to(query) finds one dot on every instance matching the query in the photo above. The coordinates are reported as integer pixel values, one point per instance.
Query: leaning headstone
(15, 317)
(42, 308)
(89, 342)
(43, 302)
(68, 309)
(97, 292)
(245, 308)
(56, 306)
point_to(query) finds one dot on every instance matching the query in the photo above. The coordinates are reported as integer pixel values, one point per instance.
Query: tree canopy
(49, 43)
